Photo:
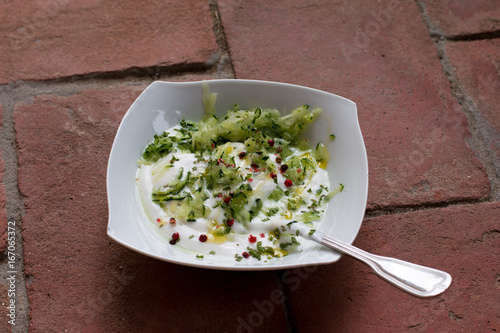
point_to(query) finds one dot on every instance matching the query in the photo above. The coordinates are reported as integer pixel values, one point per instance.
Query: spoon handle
(415, 279)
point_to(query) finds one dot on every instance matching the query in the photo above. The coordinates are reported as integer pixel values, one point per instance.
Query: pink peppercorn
(270, 142)
(203, 238)
(273, 175)
(246, 255)
(175, 238)
(230, 222)
(252, 239)
(288, 183)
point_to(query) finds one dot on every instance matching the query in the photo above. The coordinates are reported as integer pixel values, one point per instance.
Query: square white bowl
(164, 104)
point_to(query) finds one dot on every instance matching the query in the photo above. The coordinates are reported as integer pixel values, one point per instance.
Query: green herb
(254, 253)
(277, 194)
(257, 206)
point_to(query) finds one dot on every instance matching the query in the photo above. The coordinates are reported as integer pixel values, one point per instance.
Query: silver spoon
(415, 279)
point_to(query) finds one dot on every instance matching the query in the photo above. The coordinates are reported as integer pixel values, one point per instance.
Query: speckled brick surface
(476, 64)
(464, 241)
(380, 55)
(41, 40)
(462, 18)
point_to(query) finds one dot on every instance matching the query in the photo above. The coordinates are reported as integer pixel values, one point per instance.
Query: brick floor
(429, 200)
(459, 18)
(59, 38)
(361, 302)
(477, 67)
(380, 55)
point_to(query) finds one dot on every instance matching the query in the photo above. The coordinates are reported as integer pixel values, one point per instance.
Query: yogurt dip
(231, 187)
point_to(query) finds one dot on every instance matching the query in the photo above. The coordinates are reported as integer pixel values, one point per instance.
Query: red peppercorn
(252, 239)
(270, 142)
(172, 242)
(299, 170)
(172, 220)
(158, 220)
(227, 200)
(203, 238)
(288, 183)
(262, 235)
(273, 175)
(246, 255)
(230, 222)
(175, 236)
(283, 168)
(242, 154)
(254, 166)
(250, 180)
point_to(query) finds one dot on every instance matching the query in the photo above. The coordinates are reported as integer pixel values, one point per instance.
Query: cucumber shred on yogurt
(228, 186)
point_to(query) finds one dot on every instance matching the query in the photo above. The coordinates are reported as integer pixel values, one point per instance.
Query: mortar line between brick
(152, 72)
(225, 62)
(478, 126)
(15, 209)
(475, 36)
(403, 209)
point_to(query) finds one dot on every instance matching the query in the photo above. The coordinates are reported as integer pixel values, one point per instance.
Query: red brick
(462, 240)
(78, 279)
(378, 54)
(456, 18)
(60, 38)
(3, 198)
(477, 68)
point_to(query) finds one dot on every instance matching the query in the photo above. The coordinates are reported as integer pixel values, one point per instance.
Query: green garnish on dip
(234, 181)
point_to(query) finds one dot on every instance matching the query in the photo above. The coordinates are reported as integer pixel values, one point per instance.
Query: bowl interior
(163, 104)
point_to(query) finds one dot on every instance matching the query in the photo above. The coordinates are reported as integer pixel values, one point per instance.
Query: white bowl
(163, 104)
